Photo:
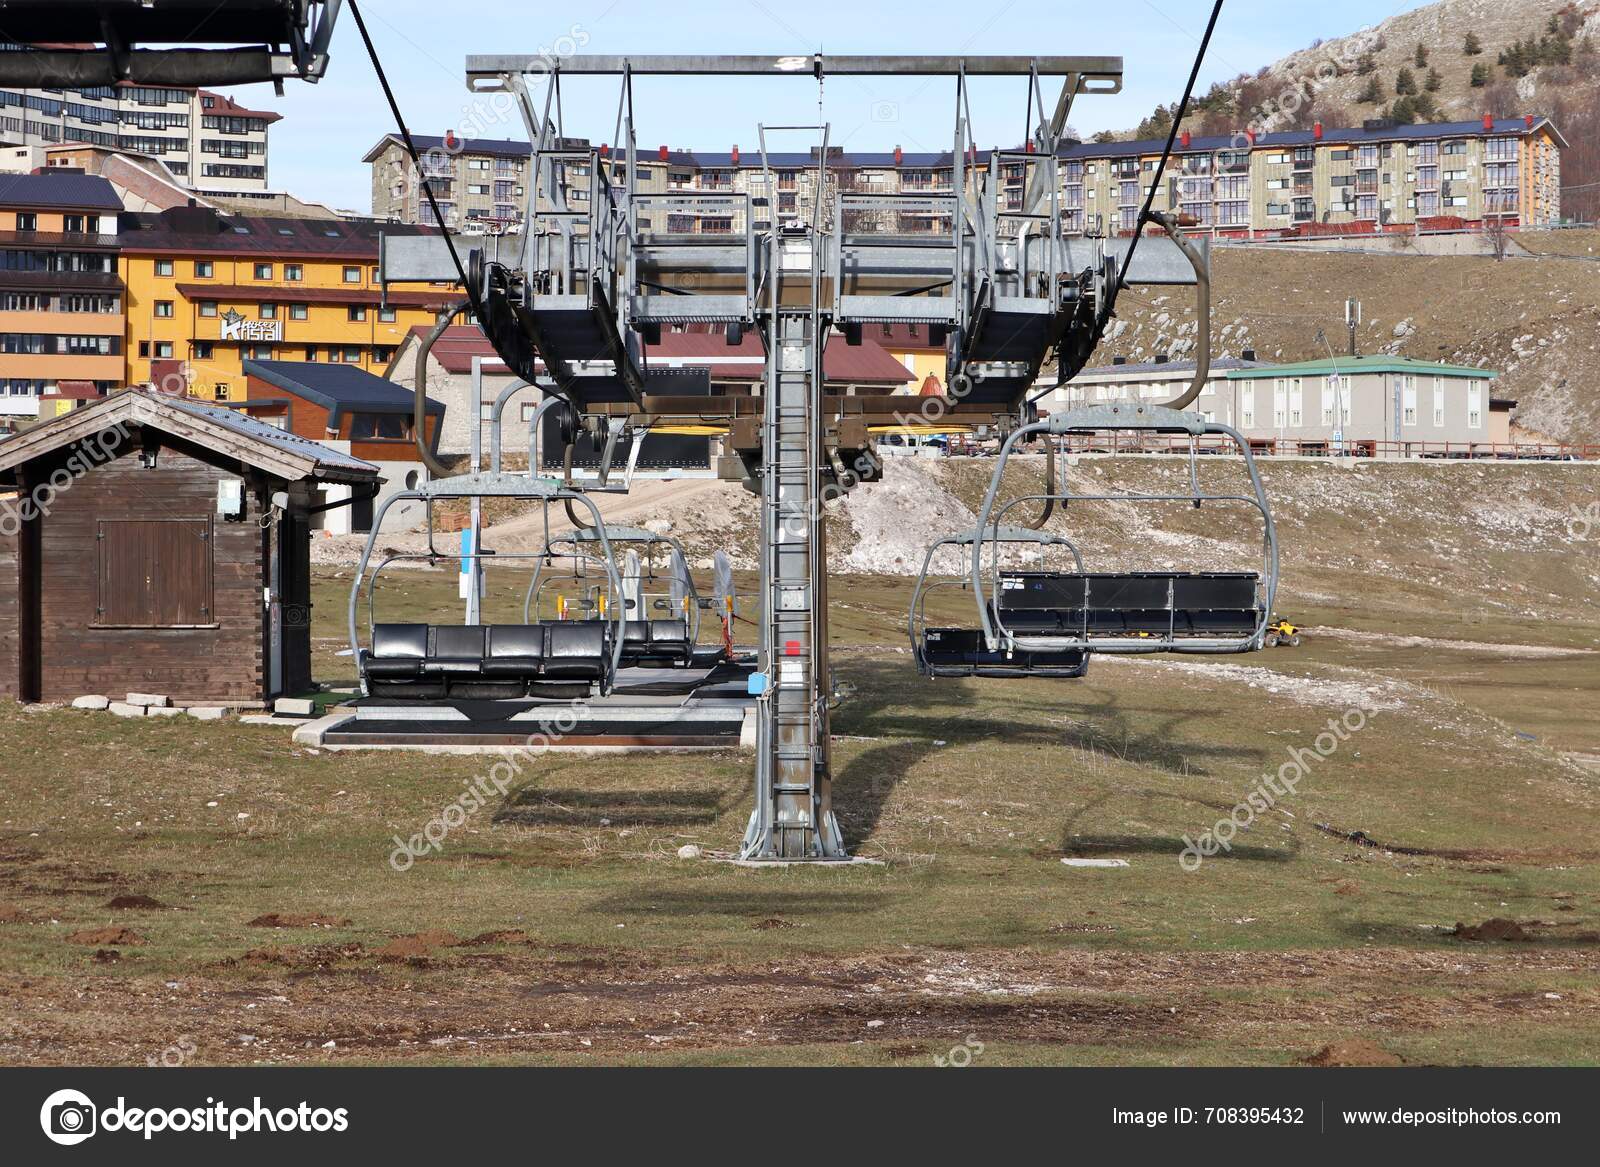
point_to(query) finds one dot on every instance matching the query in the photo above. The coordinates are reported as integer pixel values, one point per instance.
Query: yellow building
(205, 292)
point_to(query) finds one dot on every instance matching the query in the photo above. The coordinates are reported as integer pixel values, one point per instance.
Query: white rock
(688, 851)
(149, 699)
(91, 702)
(259, 719)
(163, 711)
(206, 712)
(294, 707)
(123, 709)
(1095, 862)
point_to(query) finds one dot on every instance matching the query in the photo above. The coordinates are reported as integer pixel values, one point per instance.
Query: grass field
(558, 924)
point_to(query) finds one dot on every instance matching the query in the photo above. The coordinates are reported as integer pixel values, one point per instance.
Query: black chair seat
(512, 666)
(393, 669)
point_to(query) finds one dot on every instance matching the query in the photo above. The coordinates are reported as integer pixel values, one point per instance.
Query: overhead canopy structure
(102, 42)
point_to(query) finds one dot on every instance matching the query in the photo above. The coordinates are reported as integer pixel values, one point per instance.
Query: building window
(311, 352)
(1296, 402)
(382, 354)
(352, 356)
(208, 307)
(1247, 405)
(1475, 406)
(294, 272)
(163, 350)
(381, 426)
(352, 275)
(224, 391)
(164, 309)
(27, 221)
(202, 269)
(259, 352)
(263, 271)
(153, 573)
(269, 311)
(297, 312)
(1280, 404)
(144, 350)
(386, 315)
(356, 313)
(203, 350)
(163, 267)
(1408, 401)
(1438, 401)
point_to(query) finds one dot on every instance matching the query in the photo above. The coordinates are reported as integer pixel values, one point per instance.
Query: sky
(317, 148)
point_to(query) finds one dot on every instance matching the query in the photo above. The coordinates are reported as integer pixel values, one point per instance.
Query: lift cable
(416, 161)
(1103, 318)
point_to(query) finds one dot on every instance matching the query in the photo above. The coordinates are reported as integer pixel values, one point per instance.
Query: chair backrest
(458, 640)
(513, 640)
(577, 638)
(400, 640)
(669, 630)
(636, 633)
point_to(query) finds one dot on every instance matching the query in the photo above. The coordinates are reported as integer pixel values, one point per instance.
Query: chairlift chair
(662, 630)
(557, 658)
(1031, 623)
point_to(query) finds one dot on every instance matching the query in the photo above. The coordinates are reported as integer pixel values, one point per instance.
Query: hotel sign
(238, 327)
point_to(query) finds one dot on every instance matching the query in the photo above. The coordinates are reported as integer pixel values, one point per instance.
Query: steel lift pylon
(571, 303)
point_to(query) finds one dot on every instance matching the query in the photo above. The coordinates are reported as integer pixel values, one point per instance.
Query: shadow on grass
(1099, 846)
(538, 806)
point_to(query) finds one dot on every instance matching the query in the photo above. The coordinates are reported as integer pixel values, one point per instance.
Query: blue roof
(337, 387)
(78, 192)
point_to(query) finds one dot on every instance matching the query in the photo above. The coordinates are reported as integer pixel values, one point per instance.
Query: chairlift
(657, 601)
(1043, 622)
(569, 656)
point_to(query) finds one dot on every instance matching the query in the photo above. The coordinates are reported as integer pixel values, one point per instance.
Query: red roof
(867, 362)
(227, 107)
(289, 294)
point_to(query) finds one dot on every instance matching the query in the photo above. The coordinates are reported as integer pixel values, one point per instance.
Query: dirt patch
(771, 923)
(135, 903)
(106, 956)
(418, 946)
(11, 914)
(298, 920)
(1356, 1051)
(117, 936)
(1496, 929)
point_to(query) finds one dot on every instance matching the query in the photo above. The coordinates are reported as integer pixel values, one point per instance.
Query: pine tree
(1473, 45)
(1373, 93)
(1425, 108)
(1421, 56)
(1434, 83)
(1404, 111)
(1405, 84)
(1480, 75)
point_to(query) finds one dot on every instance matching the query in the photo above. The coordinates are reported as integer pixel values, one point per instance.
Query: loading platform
(706, 706)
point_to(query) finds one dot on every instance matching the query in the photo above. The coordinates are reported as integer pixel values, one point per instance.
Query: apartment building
(208, 141)
(479, 184)
(206, 292)
(61, 299)
(1380, 177)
